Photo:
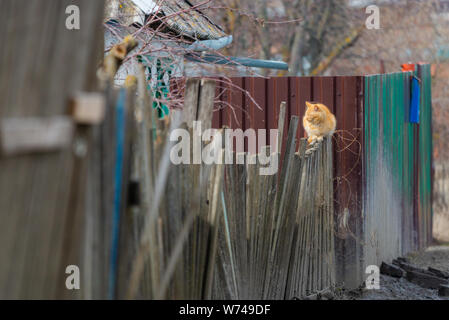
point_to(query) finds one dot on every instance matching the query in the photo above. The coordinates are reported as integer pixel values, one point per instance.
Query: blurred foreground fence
(42, 183)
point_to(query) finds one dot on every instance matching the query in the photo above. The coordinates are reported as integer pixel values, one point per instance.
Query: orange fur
(318, 121)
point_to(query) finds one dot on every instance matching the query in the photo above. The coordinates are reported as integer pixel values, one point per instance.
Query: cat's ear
(308, 104)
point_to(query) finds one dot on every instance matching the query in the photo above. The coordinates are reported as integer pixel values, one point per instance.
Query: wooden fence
(278, 239)
(105, 197)
(203, 231)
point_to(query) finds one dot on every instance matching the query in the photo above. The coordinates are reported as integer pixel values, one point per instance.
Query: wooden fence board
(45, 64)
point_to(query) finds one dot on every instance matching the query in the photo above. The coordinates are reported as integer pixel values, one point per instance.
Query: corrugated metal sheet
(389, 167)
(425, 155)
(398, 188)
(238, 110)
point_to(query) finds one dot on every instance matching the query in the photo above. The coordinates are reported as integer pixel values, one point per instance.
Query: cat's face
(315, 112)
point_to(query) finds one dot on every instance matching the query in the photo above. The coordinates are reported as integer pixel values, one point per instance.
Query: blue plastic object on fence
(415, 100)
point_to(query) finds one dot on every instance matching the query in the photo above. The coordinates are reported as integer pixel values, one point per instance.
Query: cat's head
(315, 112)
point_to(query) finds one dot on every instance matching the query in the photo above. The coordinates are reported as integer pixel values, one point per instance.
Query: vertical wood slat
(217, 118)
(282, 95)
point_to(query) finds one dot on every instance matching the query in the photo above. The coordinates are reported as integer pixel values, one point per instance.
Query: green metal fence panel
(398, 159)
(382, 208)
(425, 155)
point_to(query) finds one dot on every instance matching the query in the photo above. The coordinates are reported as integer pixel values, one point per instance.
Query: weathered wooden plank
(281, 124)
(206, 103)
(191, 100)
(88, 108)
(27, 135)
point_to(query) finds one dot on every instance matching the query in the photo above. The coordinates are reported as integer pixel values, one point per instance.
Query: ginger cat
(318, 122)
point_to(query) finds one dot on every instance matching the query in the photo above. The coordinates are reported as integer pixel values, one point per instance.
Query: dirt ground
(401, 289)
(436, 256)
